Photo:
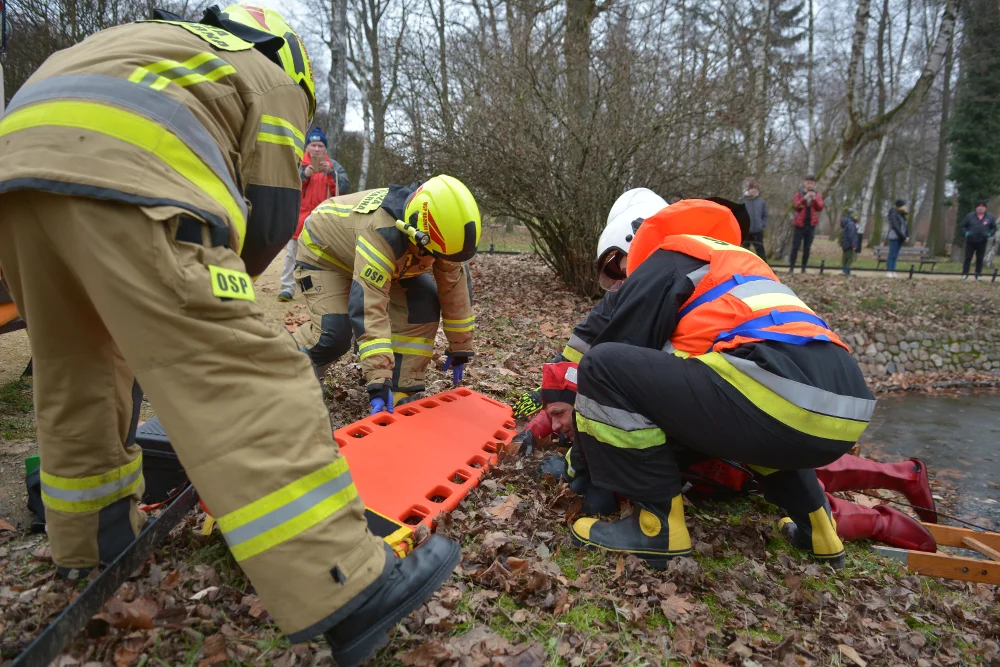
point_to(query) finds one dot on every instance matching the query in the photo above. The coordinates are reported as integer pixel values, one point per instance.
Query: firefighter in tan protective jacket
(147, 174)
(382, 267)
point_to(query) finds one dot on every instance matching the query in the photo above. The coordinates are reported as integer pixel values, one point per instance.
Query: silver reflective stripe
(148, 79)
(696, 276)
(623, 419)
(203, 69)
(96, 493)
(669, 347)
(412, 346)
(370, 254)
(373, 347)
(809, 398)
(578, 344)
(271, 128)
(288, 511)
(171, 114)
(758, 287)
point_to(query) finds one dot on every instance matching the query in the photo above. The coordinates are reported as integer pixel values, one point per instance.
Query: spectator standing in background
(321, 178)
(757, 210)
(979, 226)
(808, 204)
(899, 233)
(850, 239)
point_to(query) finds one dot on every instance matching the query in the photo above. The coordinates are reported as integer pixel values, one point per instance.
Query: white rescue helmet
(628, 212)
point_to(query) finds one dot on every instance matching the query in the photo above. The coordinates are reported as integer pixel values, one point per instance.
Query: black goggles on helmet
(610, 273)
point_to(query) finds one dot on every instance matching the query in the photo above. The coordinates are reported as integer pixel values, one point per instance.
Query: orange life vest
(739, 300)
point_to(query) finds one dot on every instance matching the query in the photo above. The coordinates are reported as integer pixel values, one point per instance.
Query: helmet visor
(610, 273)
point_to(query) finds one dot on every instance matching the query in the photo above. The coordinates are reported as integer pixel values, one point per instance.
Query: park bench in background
(920, 254)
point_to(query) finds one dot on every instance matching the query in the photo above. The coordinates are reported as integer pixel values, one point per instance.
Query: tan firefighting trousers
(414, 313)
(109, 292)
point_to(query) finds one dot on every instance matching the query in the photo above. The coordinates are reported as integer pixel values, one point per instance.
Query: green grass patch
(573, 562)
(16, 410)
(873, 305)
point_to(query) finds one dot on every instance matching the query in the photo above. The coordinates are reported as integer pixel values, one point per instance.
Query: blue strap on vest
(755, 328)
(718, 291)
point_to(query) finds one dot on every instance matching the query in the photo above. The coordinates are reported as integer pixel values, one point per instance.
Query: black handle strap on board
(75, 617)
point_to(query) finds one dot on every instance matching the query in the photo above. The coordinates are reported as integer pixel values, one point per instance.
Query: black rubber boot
(412, 581)
(820, 540)
(595, 499)
(655, 533)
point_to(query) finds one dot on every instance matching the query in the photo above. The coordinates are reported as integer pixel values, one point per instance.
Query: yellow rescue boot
(655, 532)
(820, 538)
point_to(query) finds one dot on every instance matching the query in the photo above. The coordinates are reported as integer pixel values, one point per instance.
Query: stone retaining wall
(885, 354)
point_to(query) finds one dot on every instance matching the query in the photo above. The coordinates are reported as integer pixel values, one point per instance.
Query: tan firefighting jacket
(173, 117)
(357, 234)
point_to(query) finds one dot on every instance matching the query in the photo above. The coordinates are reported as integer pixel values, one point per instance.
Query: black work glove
(557, 467)
(525, 440)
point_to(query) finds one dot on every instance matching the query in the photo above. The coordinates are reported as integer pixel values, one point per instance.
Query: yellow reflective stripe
(762, 470)
(413, 345)
(572, 354)
(275, 130)
(287, 512)
(386, 262)
(87, 494)
(467, 324)
(281, 140)
(773, 300)
(202, 68)
(379, 259)
(800, 419)
(319, 252)
(374, 346)
(275, 120)
(332, 209)
(616, 437)
(135, 130)
(412, 339)
(375, 341)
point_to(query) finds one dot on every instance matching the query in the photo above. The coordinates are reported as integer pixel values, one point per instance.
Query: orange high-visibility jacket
(737, 298)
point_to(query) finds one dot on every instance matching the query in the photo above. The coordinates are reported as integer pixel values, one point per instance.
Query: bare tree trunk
(439, 25)
(337, 79)
(366, 144)
(857, 135)
(935, 237)
(866, 205)
(759, 131)
(811, 100)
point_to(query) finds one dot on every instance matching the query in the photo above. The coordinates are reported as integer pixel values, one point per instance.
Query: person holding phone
(322, 177)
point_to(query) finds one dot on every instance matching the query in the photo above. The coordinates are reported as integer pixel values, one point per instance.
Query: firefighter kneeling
(722, 359)
(364, 266)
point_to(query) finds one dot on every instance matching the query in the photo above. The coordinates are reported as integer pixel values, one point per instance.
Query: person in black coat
(899, 233)
(850, 239)
(979, 226)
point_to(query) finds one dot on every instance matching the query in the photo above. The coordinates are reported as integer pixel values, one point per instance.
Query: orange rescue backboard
(422, 460)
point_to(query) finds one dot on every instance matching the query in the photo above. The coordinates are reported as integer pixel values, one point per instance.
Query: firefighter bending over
(130, 251)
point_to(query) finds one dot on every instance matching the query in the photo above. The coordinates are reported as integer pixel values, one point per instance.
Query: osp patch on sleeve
(374, 275)
(231, 284)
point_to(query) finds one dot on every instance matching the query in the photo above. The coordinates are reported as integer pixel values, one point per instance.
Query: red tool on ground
(422, 460)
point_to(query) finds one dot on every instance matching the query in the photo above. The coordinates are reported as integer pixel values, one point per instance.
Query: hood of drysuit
(690, 216)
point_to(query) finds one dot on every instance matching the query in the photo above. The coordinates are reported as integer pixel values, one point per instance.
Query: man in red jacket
(322, 178)
(808, 204)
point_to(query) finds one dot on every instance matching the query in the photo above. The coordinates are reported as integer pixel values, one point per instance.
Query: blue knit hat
(316, 134)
